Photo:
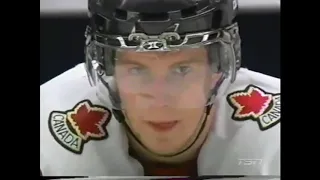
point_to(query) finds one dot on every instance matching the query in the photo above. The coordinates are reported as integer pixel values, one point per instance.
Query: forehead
(176, 55)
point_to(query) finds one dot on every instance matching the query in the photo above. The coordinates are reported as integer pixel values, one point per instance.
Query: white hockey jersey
(246, 140)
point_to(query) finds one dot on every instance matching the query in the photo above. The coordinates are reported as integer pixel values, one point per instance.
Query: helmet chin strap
(189, 150)
(186, 153)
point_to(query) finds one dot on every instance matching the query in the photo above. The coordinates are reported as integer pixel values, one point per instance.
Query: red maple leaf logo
(250, 103)
(89, 120)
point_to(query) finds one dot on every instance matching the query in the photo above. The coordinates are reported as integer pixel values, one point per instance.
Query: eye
(182, 70)
(136, 70)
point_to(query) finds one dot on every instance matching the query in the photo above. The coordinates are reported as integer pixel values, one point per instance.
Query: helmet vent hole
(154, 16)
(188, 12)
(216, 19)
(120, 14)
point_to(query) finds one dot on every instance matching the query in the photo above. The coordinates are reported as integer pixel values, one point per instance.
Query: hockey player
(167, 97)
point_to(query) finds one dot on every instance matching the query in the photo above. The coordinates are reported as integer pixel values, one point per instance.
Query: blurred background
(63, 22)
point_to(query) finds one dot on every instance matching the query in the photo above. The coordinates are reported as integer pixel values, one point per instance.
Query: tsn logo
(249, 162)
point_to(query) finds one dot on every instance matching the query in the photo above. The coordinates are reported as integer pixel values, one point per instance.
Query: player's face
(164, 94)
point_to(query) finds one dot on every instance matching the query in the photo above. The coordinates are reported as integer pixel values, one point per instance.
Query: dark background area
(62, 43)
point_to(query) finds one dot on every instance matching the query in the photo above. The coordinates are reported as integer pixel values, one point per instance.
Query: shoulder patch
(75, 127)
(253, 103)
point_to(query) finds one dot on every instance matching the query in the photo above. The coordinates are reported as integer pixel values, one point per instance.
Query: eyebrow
(127, 61)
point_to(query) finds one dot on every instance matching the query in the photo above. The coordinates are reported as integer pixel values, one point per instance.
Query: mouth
(162, 126)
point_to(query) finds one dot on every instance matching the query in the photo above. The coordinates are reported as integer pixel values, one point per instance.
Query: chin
(163, 148)
(163, 151)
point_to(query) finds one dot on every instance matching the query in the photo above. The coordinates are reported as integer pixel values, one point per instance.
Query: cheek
(196, 94)
(191, 121)
(131, 104)
(125, 85)
(199, 91)
(128, 100)
(127, 93)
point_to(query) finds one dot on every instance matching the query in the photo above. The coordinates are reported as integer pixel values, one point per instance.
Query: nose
(158, 92)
